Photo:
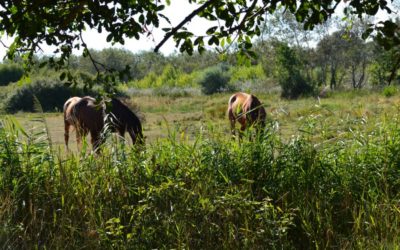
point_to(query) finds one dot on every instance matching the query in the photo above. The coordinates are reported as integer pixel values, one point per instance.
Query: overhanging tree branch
(184, 21)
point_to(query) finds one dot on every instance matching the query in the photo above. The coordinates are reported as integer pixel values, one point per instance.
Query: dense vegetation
(331, 183)
(325, 175)
(339, 61)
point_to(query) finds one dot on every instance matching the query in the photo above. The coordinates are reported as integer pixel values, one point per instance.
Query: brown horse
(247, 110)
(89, 117)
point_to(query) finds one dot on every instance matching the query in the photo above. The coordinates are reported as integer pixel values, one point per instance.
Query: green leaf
(109, 37)
(213, 40)
(389, 28)
(367, 33)
(141, 19)
(211, 30)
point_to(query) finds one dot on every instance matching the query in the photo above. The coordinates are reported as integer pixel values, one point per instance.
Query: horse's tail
(232, 99)
(67, 118)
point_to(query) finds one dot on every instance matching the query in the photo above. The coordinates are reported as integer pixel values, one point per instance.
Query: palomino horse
(247, 110)
(89, 117)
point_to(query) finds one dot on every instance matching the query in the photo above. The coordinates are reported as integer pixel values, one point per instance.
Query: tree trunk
(333, 77)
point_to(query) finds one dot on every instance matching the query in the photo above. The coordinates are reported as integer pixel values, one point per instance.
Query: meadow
(325, 174)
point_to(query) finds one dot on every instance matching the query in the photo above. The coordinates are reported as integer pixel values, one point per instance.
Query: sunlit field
(188, 116)
(325, 174)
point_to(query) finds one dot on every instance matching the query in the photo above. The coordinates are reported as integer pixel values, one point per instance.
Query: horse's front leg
(80, 134)
(96, 140)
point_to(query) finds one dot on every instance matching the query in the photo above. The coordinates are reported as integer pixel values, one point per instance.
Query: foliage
(215, 80)
(50, 92)
(10, 72)
(214, 193)
(385, 67)
(389, 91)
(289, 74)
(170, 77)
(61, 23)
(246, 73)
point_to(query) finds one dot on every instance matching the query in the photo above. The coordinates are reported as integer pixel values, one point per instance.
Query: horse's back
(236, 103)
(243, 106)
(88, 113)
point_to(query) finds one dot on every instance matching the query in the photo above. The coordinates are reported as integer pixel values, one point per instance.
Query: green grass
(325, 175)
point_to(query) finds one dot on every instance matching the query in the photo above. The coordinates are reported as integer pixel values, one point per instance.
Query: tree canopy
(60, 23)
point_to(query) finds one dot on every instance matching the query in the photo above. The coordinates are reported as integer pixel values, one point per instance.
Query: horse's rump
(245, 109)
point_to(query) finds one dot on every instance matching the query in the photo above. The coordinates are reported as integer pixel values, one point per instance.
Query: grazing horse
(247, 110)
(89, 117)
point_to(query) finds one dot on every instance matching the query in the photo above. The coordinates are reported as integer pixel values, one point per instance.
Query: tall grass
(210, 194)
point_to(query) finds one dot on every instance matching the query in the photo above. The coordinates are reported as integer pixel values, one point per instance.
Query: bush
(51, 94)
(389, 91)
(215, 80)
(290, 76)
(10, 73)
(170, 77)
(294, 86)
(241, 74)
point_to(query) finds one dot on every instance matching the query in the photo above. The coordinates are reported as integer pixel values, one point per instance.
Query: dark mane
(125, 116)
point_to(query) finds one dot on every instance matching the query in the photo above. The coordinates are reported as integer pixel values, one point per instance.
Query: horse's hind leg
(79, 135)
(233, 130)
(232, 121)
(242, 129)
(66, 133)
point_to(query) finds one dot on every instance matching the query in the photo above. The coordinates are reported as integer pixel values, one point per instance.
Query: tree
(60, 23)
(385, 66)
(290, 75)
(357, 58)
(283, 26)
(331, 50)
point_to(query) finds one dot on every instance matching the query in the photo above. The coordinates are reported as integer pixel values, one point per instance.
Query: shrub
(246, 73)
(10, 73)
(175, 92)
(215, 80)
(149, 81)
(170, 77)
(51, 94)
(389, 91)
(290, 77)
